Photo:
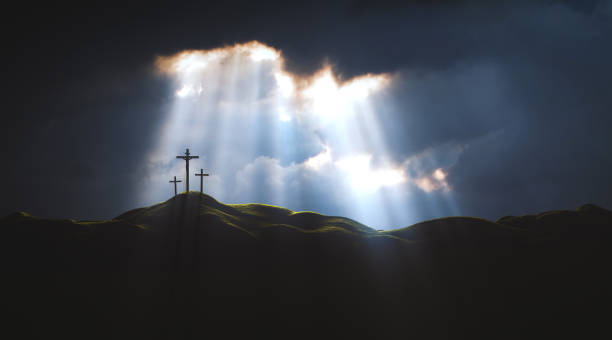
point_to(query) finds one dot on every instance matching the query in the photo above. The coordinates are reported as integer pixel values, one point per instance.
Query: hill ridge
(198, 266)
(255, 218)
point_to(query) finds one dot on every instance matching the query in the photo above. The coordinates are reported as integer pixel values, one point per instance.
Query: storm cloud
(511, 99)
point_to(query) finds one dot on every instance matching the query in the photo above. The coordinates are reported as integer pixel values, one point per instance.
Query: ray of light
(271, 136)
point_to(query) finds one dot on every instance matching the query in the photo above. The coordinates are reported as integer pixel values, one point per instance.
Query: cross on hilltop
(175, 181)
(187, 157)
(201, 174)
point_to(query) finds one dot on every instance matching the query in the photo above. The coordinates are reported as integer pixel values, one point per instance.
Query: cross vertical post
(175, 181)
(201, 174)
(187, 157)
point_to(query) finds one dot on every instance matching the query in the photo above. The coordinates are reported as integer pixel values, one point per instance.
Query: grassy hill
(192, 267)
(256, 220)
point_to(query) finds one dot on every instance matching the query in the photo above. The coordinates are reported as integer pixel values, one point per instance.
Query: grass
(261, 220)
(194, 265)
(256, 220)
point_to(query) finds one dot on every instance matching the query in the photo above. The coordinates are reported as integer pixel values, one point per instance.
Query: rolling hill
(192, 267)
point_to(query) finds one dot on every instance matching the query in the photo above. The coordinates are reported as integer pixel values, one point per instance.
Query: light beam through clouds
(304, 142)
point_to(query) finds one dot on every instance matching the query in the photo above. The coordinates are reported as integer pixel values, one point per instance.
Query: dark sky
(522, 86)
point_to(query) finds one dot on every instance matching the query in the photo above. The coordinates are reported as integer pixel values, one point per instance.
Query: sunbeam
(270, 136)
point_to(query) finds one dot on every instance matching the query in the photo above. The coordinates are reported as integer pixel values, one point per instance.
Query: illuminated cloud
(284, 117)
(329, 98)
(191, 62)
(308, 142)
(285, 83)
(321, 159)
(439, 174)
(356, 172)
(322, 94)
(189, 90)
(260, 52)
(428, 170)
(363, 177)
(434, 181)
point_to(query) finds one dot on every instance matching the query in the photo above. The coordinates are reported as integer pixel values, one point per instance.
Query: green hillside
(256, 220)
(192, 267)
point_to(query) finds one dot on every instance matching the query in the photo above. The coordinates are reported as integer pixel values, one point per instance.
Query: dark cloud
(523, 84)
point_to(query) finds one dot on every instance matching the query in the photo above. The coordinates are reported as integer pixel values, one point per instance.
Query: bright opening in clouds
(306, 142)
(352, 116)
(361, 175)
(329, 99)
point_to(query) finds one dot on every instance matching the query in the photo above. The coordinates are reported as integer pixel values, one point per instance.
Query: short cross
(187, 157)
(201, 174)
(175, 181)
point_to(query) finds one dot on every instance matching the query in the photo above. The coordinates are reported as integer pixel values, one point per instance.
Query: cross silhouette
(175, 181)
(201, 174)
(187, 157)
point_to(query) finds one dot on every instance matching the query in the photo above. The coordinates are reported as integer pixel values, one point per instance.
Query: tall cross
(187, 157)
(201, 174)
(175, 181)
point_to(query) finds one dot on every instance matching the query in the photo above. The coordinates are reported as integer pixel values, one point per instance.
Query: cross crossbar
(187, 157)
(201, 174)
(175, 181)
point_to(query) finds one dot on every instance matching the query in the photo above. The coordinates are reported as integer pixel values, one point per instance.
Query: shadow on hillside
(192, 267)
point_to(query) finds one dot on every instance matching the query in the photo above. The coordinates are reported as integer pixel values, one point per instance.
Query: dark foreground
(194, 268)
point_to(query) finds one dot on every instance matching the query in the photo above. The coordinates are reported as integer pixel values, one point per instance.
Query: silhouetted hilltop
(192, 267)
(253, 219)
(582, 222)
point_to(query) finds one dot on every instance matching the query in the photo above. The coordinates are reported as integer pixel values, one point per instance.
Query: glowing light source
(425, 184)
(234, 123)
(188, 90)
(259, 52)
(329, 98)
(285, 84)
(284, 117)
(362, 175)
(189, 63)
(316, 162)
(324, 94)
(186, 63)
(435, 181)
(439, 174)
(361, 87)
(184, 91)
